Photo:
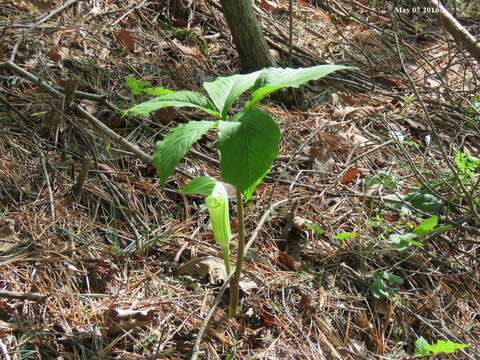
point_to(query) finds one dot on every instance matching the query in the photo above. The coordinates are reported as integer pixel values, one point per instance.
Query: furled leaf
(175, 99)
(426, 226)
(225, 90)
(176, 144)
(217, 205)
(274, 79)
(248, 145)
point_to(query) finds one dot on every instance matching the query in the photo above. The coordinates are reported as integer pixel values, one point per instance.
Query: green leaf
(446, 347)
(134, 85)
(202, 185)
(403, 241)
(176, 144)
(175, 99)
(422, 347)
(379, 287)
(423, 200)
(225, 90)
(426, 226)
(157, 91)
(274, 79)
(344, 236)
(392, 278)
(248, 145)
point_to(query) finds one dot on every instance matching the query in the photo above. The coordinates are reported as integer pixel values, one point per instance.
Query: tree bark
(247, 34)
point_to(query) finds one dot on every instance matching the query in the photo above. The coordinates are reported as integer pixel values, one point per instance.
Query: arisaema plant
(247, 143)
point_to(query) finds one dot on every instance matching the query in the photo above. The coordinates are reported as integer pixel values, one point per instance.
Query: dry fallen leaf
(214, 268)
(126, 39)
(188, 50)
(54, 55)
(288, 261)
(8, 236)
(166, 116)
(210, 266)
(42, 6)
(271, 6)
(350, 175)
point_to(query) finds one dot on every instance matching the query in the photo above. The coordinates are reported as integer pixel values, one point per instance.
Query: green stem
(234, 285)
(226, 260)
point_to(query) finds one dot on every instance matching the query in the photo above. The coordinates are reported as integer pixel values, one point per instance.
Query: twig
(82, 176)
(22, 295)
(218, 299)
(135, 7)
(39, 22)
(370, 151)
(4, 351)
(49, 187)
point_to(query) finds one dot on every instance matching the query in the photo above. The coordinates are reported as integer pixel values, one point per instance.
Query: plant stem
(234, 285)
(226, 260)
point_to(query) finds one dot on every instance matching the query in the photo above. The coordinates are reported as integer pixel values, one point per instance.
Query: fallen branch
(459, 33)
(22, 295)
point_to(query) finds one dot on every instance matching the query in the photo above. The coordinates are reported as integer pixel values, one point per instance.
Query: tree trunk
(247, 34)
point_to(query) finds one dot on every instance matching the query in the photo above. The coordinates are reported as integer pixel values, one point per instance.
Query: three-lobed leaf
(176, 99)
(170, 150)
(248, 145)
(274, 79)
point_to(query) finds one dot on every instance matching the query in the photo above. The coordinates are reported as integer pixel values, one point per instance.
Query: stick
(218, 299)
(49, 187)
(459, 33)
(22, 295)
(39, 22)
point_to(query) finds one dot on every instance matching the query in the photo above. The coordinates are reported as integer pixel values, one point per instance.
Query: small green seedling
(340, 237)
(427, 227)
(423, 348)
(247, 141)
(385, 285)
(138, 87)
(467, 165)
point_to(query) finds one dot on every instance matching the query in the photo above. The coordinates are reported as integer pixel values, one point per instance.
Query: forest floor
(105, 269)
